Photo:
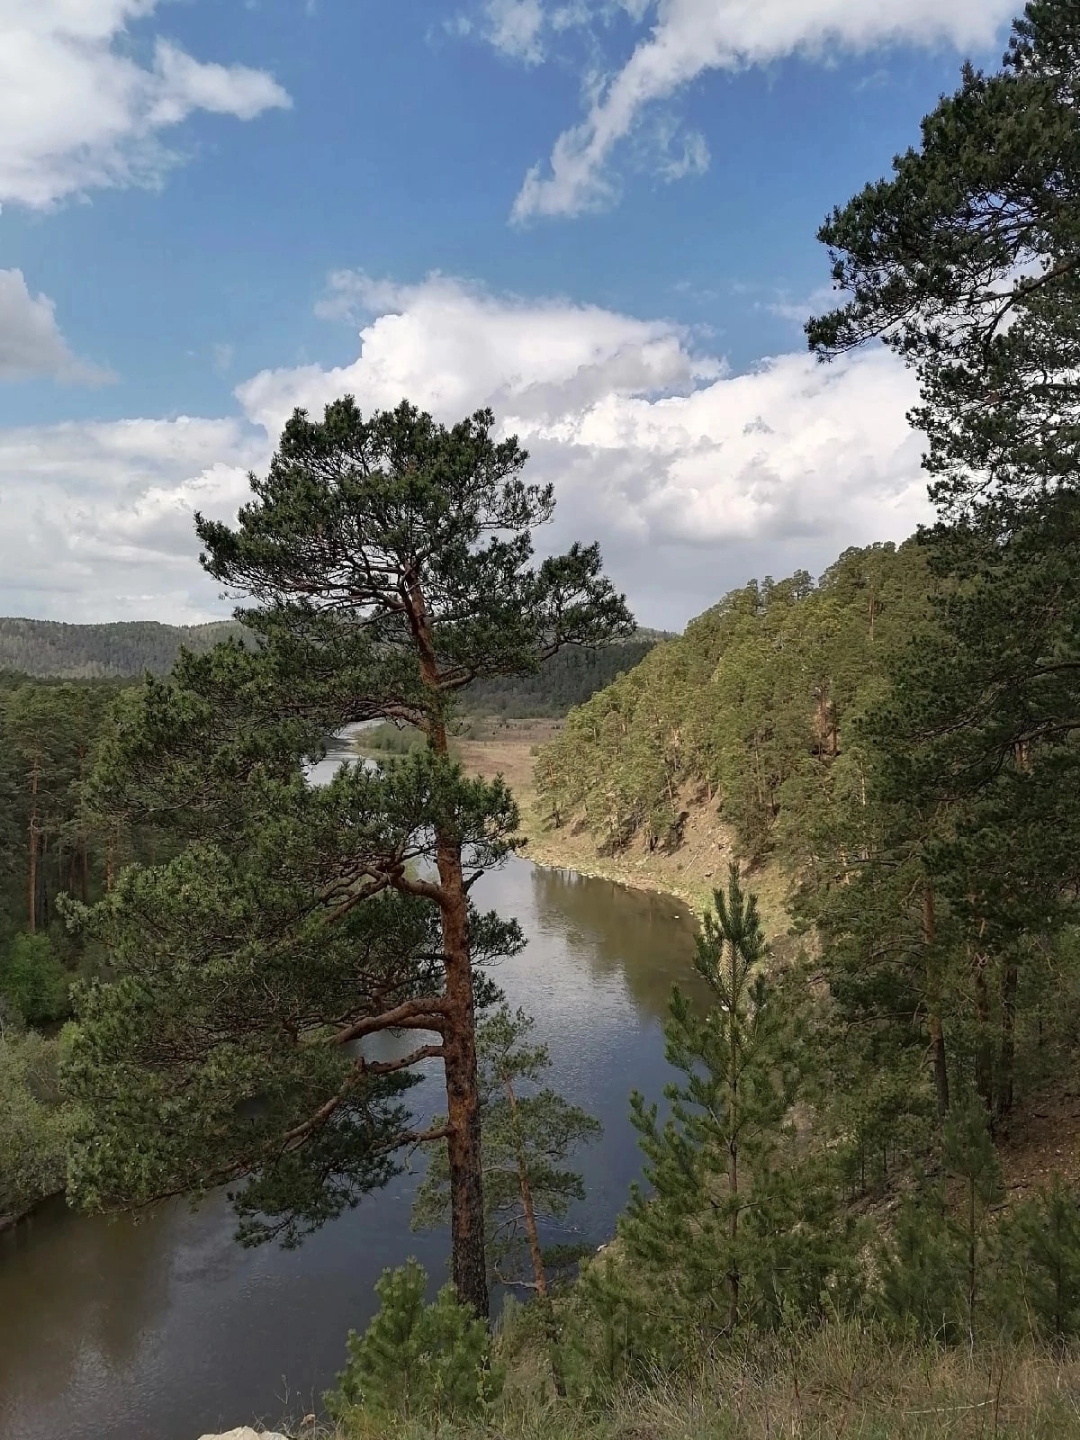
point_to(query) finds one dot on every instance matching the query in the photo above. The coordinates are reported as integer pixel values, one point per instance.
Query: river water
(161, 1329)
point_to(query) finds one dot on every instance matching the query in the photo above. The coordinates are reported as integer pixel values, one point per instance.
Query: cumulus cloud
(693, 478)
(78, 111)
(96, 518)
(30, 340)
(691, 37)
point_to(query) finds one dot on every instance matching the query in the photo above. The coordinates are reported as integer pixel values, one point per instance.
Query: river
(163, 1328)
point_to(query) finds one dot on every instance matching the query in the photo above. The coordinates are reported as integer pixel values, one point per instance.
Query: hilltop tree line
(51, 847)
(130, 649)
(124, 649)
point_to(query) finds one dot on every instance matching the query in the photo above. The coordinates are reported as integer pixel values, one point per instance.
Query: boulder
(245, 1432)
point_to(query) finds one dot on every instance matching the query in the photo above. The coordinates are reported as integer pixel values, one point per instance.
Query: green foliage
(34, 1124)
(529, 1133)
(738, 1228)
(389, 562)
(935, 1263)
(964, 261)
(125, 649)
(50, 735)
(564, 680)
(1039, 1260)
(214, 1052)
(922, 1272)
(129, 650)
(33, 980)
(417, 1360)
(750, 708)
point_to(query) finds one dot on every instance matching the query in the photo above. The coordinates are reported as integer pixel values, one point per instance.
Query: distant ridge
(122, 649)
(127, 649)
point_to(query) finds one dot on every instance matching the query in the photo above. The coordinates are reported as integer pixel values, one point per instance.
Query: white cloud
(30, 340)
(77, 109)
(453, 347)
(692, 478)
(96, 518)
(514, 26)
(691, 37)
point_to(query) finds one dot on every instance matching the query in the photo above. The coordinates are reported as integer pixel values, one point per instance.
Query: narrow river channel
(161, 1329)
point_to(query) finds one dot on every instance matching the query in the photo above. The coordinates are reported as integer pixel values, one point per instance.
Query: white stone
(245, 1432)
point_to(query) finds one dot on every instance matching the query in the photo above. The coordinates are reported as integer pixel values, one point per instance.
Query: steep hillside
(730, 737)
(569, 678)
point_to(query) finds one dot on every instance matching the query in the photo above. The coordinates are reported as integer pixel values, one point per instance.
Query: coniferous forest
(846, 1223)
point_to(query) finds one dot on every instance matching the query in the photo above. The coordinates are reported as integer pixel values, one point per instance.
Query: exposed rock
(245, 1432)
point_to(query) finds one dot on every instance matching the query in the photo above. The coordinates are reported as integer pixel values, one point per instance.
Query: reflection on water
(161, 1329)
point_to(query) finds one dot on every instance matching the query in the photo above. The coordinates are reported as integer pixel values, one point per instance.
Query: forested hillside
(125, 649)
(128, 649)
(568, 678)
(51, 845)
(745, 712)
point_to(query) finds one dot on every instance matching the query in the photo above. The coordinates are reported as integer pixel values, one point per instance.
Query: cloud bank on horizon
(692, 478)
(685, 40)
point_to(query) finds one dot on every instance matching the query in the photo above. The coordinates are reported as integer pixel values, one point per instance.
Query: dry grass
(844, 1383)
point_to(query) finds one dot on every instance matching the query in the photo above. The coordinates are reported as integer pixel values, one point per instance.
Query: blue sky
(597, 217)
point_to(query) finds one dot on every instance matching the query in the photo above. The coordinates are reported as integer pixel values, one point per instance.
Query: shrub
(416, 1359)
(33, 1122)
(33, 980)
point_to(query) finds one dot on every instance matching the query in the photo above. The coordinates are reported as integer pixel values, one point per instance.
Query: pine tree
(389, 562)
(736, 1229)
(33, 981)
(529, 1134)
(417, 1360)
(1040, 1250)
(922, 1265)
(964, 261)
(933, 1267)
(970, 1160)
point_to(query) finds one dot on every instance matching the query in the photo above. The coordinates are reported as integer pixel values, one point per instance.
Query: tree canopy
(390, 562)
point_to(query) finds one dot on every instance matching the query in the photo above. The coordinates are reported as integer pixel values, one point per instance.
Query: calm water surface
(165, 1328)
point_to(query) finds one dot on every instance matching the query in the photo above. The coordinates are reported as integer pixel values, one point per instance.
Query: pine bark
(467, 1229)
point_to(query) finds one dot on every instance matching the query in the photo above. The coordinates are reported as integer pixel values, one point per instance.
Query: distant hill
(121, 650)
(569, 678)
(127, 649)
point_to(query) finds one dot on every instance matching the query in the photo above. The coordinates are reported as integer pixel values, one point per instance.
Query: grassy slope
(842, 1383)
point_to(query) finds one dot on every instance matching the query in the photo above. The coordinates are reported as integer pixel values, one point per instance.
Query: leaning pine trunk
(536, 1255)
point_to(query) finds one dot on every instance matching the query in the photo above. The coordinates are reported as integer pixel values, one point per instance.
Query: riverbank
(689, 874)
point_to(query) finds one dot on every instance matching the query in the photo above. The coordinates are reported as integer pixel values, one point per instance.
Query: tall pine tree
(389, 560)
